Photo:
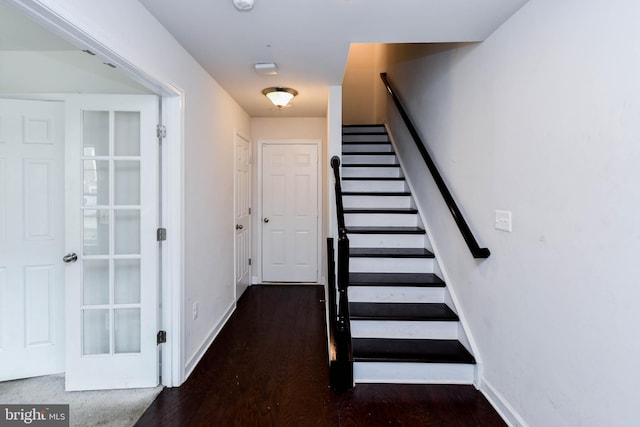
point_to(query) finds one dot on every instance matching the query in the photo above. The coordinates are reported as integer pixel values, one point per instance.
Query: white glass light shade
(280, 96)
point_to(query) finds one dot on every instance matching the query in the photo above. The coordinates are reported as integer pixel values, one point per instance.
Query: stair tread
(381, 210)
(376, 193)
(410, 350)
(402, 311)
(370, 165)
(395, 279)
(390, 253)
(373, 178)
(362, 142)
(368, 153)
(385, 230)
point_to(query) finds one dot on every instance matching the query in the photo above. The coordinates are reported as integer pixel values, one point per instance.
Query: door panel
(112, 209)
(290, 212)
(31, 238)
(242, 196)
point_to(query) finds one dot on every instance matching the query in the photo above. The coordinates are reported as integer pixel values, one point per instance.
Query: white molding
(202, 349)
(61, 22)
(320, 189)
(502, 406)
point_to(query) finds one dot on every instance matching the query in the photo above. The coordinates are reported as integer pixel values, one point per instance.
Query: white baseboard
(500, 404)
(195, 358)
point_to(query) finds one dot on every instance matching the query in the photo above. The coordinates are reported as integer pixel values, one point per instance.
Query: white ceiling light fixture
(244, 5)
(279, 96)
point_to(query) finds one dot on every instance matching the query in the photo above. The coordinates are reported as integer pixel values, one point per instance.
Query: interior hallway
(269, 367)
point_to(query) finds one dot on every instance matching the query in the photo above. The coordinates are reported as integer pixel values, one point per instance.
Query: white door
(242, 196)
(290, 213)
(31, 238)
(111, 223)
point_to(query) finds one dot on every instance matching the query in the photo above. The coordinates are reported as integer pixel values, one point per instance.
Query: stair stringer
(464, 333)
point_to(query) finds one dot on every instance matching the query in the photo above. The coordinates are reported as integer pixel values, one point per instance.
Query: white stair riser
(387, 159)
(363, 219)
(356, 137)
(404, 329)
(396, 294)
(386, 240)
(366, 147)
(376, 201)
(413, 373)
(370, 172)
(363, 128)
(392, 185)
(390, 265)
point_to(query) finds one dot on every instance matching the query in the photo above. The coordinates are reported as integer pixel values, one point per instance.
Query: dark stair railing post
(341, 369)
(475, 249)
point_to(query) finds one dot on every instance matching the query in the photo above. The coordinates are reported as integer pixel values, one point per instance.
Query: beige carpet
(109, 408)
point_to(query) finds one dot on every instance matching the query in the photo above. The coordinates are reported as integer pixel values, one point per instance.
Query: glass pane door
(111, 246)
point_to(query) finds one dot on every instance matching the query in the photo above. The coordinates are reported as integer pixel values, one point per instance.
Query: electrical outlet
(195, 310)
(503, 220)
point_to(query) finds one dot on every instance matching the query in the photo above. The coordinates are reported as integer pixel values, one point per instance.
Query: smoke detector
(266, 68)
(244, 5)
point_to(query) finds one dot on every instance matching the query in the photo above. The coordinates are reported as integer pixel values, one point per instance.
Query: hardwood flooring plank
(269, 367)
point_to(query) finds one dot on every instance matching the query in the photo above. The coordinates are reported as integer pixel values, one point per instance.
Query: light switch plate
(503, 220)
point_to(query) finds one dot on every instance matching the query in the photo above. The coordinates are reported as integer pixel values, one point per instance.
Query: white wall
(542, 119)
(287, 128)
(363, 94)
(60, 72)
(210, 117)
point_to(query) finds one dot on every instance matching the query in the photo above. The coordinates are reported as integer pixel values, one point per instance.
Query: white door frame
(238, 135)
(258, 217)
(172, 268)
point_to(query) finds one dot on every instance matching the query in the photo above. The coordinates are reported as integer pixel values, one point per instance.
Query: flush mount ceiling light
(243, 5)
(280, 96)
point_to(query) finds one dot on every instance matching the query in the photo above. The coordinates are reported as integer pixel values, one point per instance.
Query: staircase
(404, 325)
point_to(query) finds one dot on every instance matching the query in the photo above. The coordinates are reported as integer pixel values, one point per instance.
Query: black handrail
(475, 249)
(341, 370)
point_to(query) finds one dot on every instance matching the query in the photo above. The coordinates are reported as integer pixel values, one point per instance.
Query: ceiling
(309, 39)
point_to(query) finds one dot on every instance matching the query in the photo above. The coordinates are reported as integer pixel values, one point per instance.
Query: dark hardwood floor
(268, 367)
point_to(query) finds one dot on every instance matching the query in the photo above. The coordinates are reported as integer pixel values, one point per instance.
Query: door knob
(239, 226)
(266, 220)
(70, 257)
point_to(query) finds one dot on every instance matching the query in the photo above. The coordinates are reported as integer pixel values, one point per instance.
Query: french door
(111, 158)
(31, 238)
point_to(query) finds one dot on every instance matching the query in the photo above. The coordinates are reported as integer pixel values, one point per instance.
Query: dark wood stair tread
(390, 253)
(385, 230)
(395, 279)
(368, 153)
(363, 142)
(370, 165)
(380, 210)
(360, 125)
(402, 311)
(376, 193)
(410, 350)
(373, 178)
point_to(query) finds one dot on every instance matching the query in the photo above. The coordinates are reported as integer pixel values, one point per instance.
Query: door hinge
(249, 211)
(161, 234)
(161, 337)
(161, 131)
(249, 261)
